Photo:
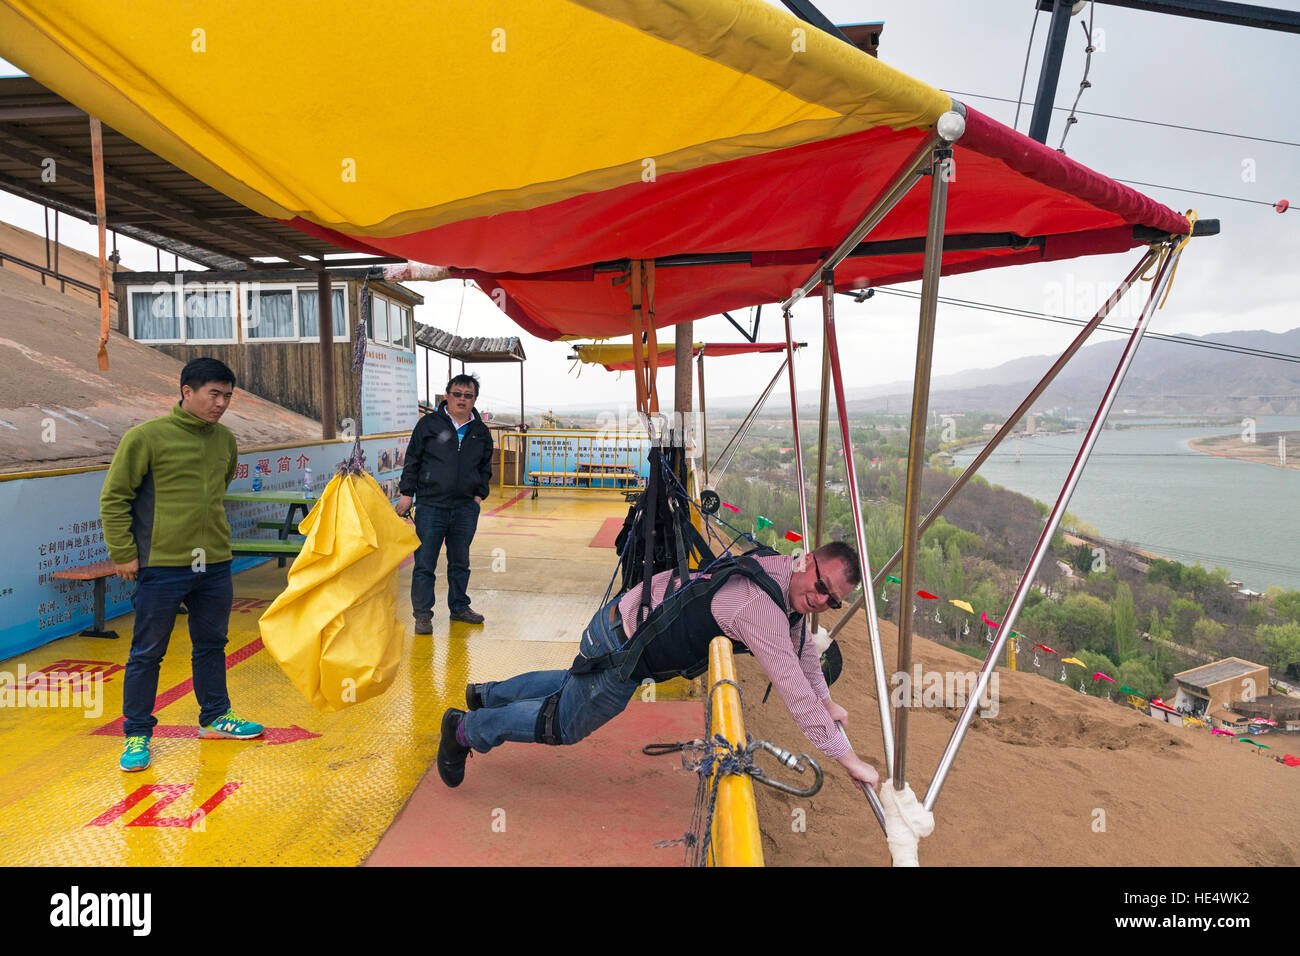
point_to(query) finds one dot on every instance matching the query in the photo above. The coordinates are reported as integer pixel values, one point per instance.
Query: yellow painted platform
(320, 789)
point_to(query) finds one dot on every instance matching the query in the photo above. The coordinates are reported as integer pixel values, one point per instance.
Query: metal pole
(325, 317)
(823, 420)
(908, 176)
(1051, 71)
(987, 451)
(682, 346)
(859, 529)
(1053, 521)
(798, 445)
(733, 446)
(916, 438)
(704, 423)
(521, 392)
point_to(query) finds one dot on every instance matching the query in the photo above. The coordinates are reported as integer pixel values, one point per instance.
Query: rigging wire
(1025, 72)
(1064, 320)
(1134, 119)
(1089, 49)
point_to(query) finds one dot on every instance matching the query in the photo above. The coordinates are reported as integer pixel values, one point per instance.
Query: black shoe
(467, 616)
(473, 696)
(424, 625)
(451, 754)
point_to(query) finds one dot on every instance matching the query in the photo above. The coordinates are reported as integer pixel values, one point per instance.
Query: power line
(1025, 72)
(1133, 119)
(1063, 320)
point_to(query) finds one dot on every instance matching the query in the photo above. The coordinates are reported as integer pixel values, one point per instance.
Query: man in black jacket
(448, 468)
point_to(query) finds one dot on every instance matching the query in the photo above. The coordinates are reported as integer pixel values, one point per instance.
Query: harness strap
(546, 730)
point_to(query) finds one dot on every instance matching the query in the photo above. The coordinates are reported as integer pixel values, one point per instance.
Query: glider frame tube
(987, 451)
(1053, 521)
(939, 175)
(798, 444)
(859, 529)
(908, 176)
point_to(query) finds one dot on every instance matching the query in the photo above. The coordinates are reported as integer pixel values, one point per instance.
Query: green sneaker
(135, 756)
(231, 727)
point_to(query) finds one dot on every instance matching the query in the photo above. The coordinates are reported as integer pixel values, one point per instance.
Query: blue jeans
(587, 701)
(158, 594)
(454, 524)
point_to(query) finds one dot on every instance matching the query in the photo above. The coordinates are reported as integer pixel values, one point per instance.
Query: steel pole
(859, 529)
(823, 421)
(909, 175)
(986, 452)
(933, 266)
(1053, 522)
(704, 422)
(798, 445)
(325, 341)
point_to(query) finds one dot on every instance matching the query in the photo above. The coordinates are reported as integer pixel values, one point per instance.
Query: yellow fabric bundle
(334, 628)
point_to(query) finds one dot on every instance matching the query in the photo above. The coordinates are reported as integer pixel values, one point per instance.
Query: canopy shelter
(469, 349)
(619, 357)
(616, 357)
(611, 167)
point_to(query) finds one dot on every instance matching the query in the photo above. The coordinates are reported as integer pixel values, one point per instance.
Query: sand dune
(1033, 785)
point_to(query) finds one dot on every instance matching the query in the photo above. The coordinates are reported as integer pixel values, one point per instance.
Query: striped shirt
(746, 614)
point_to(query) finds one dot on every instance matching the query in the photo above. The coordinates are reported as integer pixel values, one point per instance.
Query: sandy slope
(1027, 783)
(49, 374)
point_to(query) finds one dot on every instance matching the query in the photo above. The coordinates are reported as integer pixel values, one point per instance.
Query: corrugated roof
(1208, 674)
(470, 349)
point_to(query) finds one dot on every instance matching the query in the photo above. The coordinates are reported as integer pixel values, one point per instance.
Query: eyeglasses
(832, 601)
(461, 394)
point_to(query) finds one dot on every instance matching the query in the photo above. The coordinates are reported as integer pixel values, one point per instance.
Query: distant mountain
(1165, 378)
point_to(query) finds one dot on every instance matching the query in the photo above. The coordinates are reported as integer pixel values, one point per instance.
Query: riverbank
(1263, 450)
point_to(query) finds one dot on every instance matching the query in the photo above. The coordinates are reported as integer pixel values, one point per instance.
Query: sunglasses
(461, 394)
(832, 601)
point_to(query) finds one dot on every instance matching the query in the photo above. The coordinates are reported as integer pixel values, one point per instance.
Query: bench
(616, 474)
(99, 572)
(280, 548)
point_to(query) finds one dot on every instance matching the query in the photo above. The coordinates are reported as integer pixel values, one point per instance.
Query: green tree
(1184, 615)
(1124, 623)
(1282, 641)
(1084, 622)
(1142, 674)
(1287, 605)
(1207, 635)
(1096, 663)
(956, 574)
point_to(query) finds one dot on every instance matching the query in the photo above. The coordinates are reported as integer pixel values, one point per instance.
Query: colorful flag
(763, 523)
(985, 618)
(793, 536)
(732, 507)
(1100, 676)
(963, 605)
(892, 579)
(927, 595)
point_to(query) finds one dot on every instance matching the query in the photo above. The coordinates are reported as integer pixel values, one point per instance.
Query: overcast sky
(1173, 70)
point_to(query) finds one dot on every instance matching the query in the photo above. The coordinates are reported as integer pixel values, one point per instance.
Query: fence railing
(574, 459)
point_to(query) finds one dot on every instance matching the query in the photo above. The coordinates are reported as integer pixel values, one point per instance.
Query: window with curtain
(309, 314)
(154, 317)
(209, 315)
(270, 314)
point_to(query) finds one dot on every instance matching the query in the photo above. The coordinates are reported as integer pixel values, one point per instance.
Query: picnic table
(281, 546)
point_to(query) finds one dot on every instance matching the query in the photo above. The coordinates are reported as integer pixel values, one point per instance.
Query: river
(1146, 487)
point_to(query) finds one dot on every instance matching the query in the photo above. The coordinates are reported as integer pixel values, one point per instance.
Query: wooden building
(265, 326)
(1212, 691)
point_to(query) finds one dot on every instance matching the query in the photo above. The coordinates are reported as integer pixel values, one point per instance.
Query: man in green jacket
(165, 527)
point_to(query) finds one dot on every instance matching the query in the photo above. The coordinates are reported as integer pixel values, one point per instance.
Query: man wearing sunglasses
(564, 706)
(447, 472)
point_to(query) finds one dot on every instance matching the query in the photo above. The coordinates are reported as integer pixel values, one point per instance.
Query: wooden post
(97, 160)
(325, 315)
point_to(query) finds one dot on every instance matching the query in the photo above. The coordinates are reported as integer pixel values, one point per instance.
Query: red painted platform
(598, 803)
(607, 534)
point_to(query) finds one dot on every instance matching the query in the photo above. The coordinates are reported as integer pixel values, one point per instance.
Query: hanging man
(760, 603)
(448, 470)
(165, 527)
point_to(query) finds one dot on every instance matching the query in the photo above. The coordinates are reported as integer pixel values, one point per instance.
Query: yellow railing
(735, 838)
(573, 459)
